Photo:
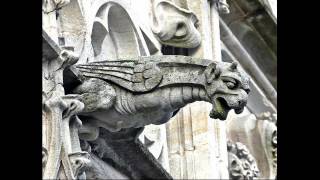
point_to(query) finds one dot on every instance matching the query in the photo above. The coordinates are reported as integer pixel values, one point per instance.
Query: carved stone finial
(242, 164)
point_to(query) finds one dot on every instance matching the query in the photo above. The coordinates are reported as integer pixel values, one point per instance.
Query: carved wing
(135, 76)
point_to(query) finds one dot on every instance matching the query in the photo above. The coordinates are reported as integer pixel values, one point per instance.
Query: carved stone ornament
(242, 164)
(174, 25)
(134, 93)
(122, 96)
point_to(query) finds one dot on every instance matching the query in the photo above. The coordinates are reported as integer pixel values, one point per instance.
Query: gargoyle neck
(183, 95)
(169, 99)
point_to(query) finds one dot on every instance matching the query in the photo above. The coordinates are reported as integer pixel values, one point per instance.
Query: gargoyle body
(147, 90)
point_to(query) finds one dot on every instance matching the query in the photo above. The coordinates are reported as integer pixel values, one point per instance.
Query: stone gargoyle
(148, 90)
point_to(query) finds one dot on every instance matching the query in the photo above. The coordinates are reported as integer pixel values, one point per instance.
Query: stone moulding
(174, 25)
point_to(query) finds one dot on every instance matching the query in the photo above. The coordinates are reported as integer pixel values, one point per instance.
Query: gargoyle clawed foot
(96, 95)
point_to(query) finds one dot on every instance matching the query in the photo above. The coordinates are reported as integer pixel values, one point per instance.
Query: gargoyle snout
(241, 103)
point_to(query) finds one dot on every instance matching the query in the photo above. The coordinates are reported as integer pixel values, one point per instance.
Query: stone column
(219, 127)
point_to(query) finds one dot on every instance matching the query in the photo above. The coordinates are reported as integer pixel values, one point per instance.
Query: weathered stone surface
(122, 107)
(114, 106)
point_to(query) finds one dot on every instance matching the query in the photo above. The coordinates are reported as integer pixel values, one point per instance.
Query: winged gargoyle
(147, 90)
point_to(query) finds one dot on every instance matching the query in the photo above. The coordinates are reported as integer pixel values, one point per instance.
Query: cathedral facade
(131, 89)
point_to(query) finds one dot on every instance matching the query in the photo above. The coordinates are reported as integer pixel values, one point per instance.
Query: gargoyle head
(227, 87)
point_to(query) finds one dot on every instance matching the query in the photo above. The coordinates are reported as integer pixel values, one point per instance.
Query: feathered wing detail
(146, 77)
(135, 76)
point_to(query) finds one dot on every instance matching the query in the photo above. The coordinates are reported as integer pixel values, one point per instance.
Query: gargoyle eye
(230, 83)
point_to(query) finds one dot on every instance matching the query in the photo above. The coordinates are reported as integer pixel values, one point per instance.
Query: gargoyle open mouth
(220, 109)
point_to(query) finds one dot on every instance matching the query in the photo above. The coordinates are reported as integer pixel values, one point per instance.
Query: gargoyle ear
(211, 72)
(233, 66)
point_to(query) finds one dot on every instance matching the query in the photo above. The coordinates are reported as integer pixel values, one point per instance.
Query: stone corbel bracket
(175, 26)
(242, 164)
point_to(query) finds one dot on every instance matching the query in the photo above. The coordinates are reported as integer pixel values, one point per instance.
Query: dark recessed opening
(170, 50)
